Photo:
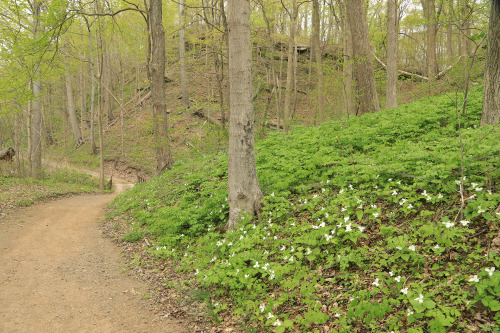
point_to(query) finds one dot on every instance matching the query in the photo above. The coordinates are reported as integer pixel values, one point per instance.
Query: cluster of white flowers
(427, 196)
(489, 270)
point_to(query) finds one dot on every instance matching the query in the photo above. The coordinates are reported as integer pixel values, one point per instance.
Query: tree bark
(317, 57)
(243, 185)
(366, 90)
(182, 52)
(347, 66)
(491, 93)
(163, 154)
(93, 147)
(290, 70)
(391, 93)
(429, 7)
(449, 33)
(36, 118)
(73, 119)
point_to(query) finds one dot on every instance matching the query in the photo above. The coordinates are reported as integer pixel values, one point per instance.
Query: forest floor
(59, 274)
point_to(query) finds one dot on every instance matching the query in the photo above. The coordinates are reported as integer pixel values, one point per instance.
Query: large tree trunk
(36, 118)
(491, 94)
(391, 93)
(366, 90)
(429, 7)
(73, 119)
(163, 155)
(243, 185)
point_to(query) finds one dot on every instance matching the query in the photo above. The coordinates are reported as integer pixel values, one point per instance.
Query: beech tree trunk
(391, 93)
(491, 93)
(243, 185)
(366, 91)
(163, 154)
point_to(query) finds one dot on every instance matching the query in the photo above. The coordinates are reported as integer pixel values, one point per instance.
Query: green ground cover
(383, 222)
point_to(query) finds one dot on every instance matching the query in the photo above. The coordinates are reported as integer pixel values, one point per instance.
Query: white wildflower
(490, 270)
(474, 279)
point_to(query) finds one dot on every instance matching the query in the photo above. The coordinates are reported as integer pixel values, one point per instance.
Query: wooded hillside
(73, 72)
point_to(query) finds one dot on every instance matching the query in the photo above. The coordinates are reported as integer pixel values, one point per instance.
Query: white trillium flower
(474, 279)
(376, 282)
(448, 224)
(420, 299)
(409, 312)
(404, 291)
(490, 270)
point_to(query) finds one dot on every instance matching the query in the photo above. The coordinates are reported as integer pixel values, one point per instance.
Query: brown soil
(58, 274)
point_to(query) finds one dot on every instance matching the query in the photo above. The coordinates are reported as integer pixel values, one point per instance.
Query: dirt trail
(58, 274)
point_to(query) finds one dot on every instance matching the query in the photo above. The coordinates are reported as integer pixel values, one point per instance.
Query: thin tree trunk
(243, 185)
(449, 33)
(73, 119)
(107, 82)
(290, 70)
(93, 147)
(36, 120)
(391, 94)
(347, 68)
(182, 60)
(318, 57)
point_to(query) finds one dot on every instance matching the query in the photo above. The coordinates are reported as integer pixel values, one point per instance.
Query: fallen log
(7, 154)
(423, 78)
(202, 113)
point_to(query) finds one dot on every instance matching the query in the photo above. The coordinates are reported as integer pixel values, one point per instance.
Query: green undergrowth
(364, 226)
(21, 192)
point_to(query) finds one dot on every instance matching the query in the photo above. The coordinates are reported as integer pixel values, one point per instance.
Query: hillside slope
(385, 222)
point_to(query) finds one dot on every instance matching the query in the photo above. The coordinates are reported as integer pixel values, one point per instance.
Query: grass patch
(23, 192)
(364, 227)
